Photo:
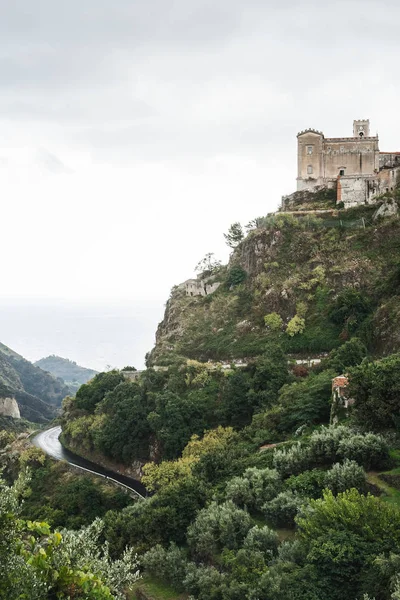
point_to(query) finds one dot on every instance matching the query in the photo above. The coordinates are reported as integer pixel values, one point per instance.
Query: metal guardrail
(108, 479)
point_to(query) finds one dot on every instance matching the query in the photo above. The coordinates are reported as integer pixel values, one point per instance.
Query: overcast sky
(134, 132)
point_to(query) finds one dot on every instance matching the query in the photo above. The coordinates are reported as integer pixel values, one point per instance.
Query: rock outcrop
(9, 408)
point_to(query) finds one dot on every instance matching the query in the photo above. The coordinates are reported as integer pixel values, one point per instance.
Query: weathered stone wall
(389, 159)
(352, 190)
(355, 156)
(309, 156)
(9, 408)
(200, 287)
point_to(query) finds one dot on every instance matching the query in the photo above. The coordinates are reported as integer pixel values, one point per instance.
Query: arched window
(309, 170)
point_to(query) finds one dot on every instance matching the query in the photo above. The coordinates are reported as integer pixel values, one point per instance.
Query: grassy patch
(152, 589)
(390, 494)
(285, 534)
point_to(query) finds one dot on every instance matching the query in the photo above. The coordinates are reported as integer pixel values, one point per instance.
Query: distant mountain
(71, 373)
(38, 393)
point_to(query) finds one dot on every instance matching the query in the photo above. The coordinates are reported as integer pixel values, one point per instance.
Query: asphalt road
(48, 441)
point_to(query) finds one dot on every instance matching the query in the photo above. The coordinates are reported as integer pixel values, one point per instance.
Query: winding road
(48, 441)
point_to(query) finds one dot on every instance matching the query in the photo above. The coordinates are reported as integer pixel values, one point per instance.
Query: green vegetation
(253, 494)
(37, 392)
(325, 284)
(164, 409)
(39, 563)
(62, 368)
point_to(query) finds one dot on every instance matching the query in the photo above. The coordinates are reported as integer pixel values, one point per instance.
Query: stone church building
(355, 164)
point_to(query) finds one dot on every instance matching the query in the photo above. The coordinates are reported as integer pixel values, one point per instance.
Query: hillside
(262, 485)
(38, 393)
(310, 280)
(67, 370)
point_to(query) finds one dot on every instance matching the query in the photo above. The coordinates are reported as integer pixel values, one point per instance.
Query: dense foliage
(39, 563)
(162, 410)
(254, 495)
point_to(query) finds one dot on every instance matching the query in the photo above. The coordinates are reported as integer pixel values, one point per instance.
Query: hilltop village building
(354, 164)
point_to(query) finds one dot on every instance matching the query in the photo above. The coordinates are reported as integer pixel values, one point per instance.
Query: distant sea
(95, 336)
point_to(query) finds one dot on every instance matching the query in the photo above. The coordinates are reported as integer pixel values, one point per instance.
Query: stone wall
(200, 287)
(9, 408)
(351, 191)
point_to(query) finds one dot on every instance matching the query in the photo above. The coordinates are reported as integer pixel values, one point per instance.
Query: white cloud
(133, 133)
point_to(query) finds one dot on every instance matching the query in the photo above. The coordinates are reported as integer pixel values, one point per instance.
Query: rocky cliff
(313, 281)
(9, 408)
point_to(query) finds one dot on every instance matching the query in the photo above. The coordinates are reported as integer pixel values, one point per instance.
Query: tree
(254, 488)
(208, 265)
(235, 276)
(343, 536)
(125, 433)
(349, 354)
(306, 401)
(349, 309)
(235, 235)
(90, 394)
(216, 527)
(273, 321)
(295, 326)
(375, 386)
(37, 563)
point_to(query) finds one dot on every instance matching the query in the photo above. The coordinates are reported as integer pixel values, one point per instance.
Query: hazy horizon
(97, 337)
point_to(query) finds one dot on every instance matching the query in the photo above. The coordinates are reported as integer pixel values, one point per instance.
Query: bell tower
(361, 128)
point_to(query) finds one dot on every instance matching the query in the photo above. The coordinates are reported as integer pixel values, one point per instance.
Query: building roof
(340, 381)
(310, 130)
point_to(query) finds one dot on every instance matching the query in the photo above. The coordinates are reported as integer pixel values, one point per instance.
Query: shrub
(169, 565)
(295, 326)
(324, 443)
(369, 450)
(347, 355)
(255, 487)
(309, 483)
(263, 539)
(342, 477)
(375, 386)
(293, 460)
(350, 308)
(203, 582)
(306, 401)
(273, 321)
(216, 527)
(235, 276)
(281, 511)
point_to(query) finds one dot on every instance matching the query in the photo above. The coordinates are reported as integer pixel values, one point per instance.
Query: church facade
(354, 164)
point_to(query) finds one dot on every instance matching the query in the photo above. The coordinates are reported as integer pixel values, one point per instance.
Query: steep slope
(312, 281)
(38, 393)
(67, 370)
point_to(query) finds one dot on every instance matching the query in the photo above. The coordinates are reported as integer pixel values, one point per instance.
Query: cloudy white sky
(134, 132)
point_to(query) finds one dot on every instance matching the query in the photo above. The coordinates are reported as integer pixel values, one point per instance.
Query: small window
(310, 149)
(341, 172)
(309, 170)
